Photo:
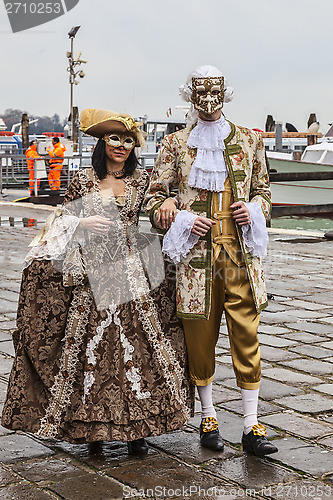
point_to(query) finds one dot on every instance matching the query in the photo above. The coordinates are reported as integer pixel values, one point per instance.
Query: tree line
(44, 124)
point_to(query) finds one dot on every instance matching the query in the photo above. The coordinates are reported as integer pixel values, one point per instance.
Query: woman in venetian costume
(100, 353)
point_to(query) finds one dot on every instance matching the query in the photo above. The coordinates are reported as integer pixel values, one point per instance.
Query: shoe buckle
(209, 424)
(259, 430)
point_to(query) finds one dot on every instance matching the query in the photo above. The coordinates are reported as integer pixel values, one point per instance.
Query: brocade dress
(100, 353)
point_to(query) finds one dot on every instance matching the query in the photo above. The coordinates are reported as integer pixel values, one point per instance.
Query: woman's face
(117, 155)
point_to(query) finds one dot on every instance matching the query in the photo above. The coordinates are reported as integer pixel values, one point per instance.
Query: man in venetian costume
(210, 190)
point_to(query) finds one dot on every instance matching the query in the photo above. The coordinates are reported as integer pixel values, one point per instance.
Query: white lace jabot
(209, 170)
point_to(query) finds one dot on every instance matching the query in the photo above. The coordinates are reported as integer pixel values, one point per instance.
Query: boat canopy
(319, 153)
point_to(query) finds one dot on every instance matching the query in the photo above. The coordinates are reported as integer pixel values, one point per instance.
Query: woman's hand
(96, 224)
(202, 225)
(241, 214)
(167, 213)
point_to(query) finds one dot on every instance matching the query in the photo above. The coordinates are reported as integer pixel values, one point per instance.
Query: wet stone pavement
(296, 404)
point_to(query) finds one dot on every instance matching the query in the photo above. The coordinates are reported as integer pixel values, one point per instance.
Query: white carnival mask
(117, 140)
(208, 93)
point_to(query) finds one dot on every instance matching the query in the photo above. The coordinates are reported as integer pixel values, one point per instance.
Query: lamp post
(73, 73)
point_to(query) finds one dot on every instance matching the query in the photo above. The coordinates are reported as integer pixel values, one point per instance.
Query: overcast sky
(276, 54)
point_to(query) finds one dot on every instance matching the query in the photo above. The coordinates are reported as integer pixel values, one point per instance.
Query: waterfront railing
(14, 174)
(14, 171)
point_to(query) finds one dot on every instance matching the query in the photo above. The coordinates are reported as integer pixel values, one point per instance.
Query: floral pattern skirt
(86, 375)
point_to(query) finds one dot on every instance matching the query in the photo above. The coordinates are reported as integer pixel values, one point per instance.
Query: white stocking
(206, 398)
(250, 407)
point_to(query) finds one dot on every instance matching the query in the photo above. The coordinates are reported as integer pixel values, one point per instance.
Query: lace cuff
(179, 240)
(255, 234)
(54, 243)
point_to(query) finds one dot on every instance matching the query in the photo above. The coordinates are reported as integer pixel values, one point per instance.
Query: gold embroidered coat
(245, 158)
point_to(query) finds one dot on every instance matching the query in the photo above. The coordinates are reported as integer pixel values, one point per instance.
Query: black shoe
(209, 435)
(138, 447)
(95, 448)
(256, 443)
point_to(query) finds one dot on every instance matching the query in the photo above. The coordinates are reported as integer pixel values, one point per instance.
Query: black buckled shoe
(138, 447)
(256, 443)
(209, 435)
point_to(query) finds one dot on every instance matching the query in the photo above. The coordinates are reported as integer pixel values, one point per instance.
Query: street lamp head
(73, 31)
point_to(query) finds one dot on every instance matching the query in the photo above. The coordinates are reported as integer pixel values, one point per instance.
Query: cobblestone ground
(296, 396)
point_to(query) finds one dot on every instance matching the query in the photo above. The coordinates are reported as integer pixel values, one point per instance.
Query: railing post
(80, 147)
(68, 171)
(278, 137)
(7, 173)
(0, 175)
(35, 178)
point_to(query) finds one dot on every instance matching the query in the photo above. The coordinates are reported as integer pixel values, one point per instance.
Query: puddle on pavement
(301, 240)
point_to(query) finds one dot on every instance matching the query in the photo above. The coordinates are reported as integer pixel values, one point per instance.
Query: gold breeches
(231, 292)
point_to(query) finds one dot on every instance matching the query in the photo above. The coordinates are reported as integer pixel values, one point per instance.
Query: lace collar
(209, 170)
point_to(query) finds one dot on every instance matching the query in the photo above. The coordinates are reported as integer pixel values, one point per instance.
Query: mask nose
(209, 100)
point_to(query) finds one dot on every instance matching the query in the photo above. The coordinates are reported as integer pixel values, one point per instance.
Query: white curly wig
(185, 91)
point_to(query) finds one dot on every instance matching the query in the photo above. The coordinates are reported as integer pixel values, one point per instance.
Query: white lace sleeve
(54, 244)
(255, 234)
(179, 240)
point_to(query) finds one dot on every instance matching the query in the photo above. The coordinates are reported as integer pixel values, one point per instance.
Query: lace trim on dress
(255, 234)
(179, 240)
(132, 373)
(89, 378)
(209, 170)
(62, 388)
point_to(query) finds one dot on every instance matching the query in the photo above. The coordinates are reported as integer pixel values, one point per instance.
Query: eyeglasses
(117, 141)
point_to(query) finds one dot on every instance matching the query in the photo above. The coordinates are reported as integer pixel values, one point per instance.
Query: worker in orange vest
(56, 163)
(31, 155)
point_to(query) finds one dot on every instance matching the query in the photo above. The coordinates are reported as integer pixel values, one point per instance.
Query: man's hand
(241, 214)
(167, 213)
(96, 224)
(202, 225)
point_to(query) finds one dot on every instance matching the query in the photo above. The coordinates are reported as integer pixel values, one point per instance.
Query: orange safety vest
(31, 152)
(57, 154)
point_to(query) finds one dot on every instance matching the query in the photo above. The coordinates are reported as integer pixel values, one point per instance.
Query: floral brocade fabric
(244, 155)
(84, 373)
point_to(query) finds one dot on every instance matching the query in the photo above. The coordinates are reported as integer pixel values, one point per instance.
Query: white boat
(315, 158)
(300, 192)
(321, 153)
